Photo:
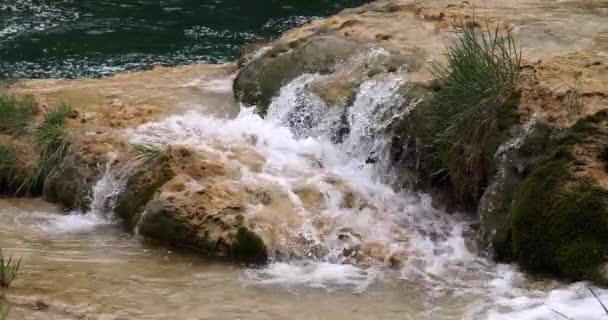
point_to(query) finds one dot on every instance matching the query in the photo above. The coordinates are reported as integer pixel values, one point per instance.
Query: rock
(189, 200)
(559, 218)
(210, 220)
(70, 183)
(512, 166)
(263, 77)
(141, 186)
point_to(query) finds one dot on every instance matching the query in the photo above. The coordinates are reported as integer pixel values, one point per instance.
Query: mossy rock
(249, 247)
(70, 182)
(559, 220)
(163, 224)
(170, 223)
(604, 156)
(509, 169)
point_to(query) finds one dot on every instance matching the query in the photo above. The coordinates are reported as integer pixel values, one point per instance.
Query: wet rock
(513, 163)
(263, 77)
(70, 183)
(558, 221)
(141, 186)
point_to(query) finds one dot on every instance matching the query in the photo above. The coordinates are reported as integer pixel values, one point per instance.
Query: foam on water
(71, 223)
(439, 260)
(320, 275)
(301, 153)
(102, 204)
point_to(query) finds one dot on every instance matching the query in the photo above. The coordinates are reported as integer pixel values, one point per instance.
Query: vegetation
(4, 310)
(476, 88)
(249, 247)
(573, 101)
(559, 220)
(150, 153)
(16, 113)
(30, 150)
(8, 270)
(604, 155)
(52, 140)
(8, 165)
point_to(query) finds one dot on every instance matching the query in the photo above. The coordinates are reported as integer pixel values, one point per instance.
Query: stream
(84, 266)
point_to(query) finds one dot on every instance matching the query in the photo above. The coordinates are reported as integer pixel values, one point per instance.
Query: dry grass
(8, 270)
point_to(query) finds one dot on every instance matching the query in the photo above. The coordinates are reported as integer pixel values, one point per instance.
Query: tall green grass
(53, 141)
(16, 112)
(477, 82)
(150, 153)
(9, 165)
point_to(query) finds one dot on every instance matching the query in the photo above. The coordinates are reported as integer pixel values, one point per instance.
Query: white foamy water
(320, 275)
(432, 253)
(102, 204)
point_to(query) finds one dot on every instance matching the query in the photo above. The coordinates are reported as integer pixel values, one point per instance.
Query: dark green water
(73, 38)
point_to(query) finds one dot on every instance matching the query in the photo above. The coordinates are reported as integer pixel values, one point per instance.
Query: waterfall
(105, 192)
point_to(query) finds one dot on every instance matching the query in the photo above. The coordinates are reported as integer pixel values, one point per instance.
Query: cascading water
(390, 228)
(102, 203)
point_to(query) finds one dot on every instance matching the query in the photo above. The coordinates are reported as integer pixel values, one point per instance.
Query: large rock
(191, 200)
(559, 218)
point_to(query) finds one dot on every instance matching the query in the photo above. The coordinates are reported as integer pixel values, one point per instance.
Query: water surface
(74, 38)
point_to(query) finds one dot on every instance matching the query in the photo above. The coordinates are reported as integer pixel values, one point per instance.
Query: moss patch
(559, 221)
(249, 247)
(604, 156)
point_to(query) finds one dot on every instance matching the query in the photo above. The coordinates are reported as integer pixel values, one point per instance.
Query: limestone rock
(262, 78)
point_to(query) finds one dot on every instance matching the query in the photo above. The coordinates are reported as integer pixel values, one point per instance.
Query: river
(83, 265)
(73, 38)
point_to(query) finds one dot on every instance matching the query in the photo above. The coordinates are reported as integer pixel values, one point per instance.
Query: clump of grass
(150, 153)
(573, 100)
(475, 87)
(16, 112)
(57, 116)
(604, 155)
(8, 165)
(53, 140)
(8, 270)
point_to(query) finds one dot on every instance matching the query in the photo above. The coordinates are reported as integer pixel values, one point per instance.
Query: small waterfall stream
(387, 254)
(297, 139)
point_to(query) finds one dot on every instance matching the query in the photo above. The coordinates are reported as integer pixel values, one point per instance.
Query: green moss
(249, 247)
(508, 117)
(604, 156)
(502, 244)
(163, 226)
(559, 222)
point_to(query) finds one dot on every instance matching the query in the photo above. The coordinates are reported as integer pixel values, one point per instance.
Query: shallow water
(84, 266)
(80, 267)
